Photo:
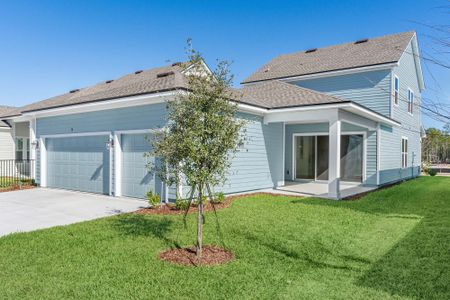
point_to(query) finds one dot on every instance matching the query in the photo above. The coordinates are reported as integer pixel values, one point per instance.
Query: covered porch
(330, 152)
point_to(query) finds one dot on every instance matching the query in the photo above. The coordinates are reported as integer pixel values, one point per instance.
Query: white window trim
(410, 91)
(393, 90)
(404, 166)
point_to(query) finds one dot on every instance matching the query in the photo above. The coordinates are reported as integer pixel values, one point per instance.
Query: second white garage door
(137, 179)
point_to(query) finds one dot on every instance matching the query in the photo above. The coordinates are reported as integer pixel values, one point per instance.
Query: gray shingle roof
(7, 111)
(277, 94)
(375, 51)
(133, 84)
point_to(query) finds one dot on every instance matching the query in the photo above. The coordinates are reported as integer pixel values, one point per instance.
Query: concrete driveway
(39, 208)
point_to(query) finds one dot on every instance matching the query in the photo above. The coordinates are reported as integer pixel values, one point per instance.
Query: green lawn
(394, 243)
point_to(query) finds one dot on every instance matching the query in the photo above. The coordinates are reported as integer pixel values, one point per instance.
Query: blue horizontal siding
(391, 138)
(371, 89)
(257, 165)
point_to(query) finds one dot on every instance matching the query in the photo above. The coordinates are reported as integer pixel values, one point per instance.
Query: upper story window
(410, 101)
(396, 90)
(404, 152)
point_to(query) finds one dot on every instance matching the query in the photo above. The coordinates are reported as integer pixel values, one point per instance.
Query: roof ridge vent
(74, 91)
(311, 50)
(361, 41)
(109, 81)
(138, 72)
(164, 74)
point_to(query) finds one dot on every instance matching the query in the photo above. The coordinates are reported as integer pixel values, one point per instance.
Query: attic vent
(267, 70)
(165, 74)
(176, 64)
(311, 50)
(74, 91)
(138, 72)
(361, 41)
(109, 81)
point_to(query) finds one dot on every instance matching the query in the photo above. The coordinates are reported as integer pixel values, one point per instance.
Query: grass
(391, 244)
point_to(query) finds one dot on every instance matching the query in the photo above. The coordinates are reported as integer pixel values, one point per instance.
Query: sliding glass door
(312, 153)
(305, 153)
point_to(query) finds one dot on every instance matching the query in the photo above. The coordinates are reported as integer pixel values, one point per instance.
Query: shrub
(432, 172)
(153, 199)
(219, 197)
(181, 204)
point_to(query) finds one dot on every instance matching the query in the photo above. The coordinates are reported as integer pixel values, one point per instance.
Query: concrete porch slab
(320, 189)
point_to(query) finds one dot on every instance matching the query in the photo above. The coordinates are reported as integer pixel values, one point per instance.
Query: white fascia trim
(103, 105)
(252, 109)
(371, 115)
(335, 73)
(318, 108)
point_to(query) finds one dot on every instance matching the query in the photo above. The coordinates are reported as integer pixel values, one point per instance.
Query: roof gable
(375, 51)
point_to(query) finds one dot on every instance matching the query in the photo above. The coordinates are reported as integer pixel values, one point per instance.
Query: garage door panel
(137, 179)
(78, 163)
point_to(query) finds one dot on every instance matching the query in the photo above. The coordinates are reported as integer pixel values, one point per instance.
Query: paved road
(34, 209)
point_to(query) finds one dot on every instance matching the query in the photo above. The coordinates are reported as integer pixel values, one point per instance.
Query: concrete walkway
(39, 208)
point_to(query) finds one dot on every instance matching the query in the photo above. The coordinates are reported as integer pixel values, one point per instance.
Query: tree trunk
(200, 223)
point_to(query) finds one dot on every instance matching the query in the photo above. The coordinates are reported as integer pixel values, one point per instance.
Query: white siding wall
(6, 143)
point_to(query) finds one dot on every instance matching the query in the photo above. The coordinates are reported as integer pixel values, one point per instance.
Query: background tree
(436, 146)
(202, 134)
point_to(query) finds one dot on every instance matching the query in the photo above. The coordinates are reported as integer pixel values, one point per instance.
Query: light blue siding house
(325, 121)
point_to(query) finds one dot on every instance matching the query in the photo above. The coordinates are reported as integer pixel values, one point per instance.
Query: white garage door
(78, 163)
(137, 179)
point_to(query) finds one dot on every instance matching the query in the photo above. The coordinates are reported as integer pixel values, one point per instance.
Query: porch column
(334, 169)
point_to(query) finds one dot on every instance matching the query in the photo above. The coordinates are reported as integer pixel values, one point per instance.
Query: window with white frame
(396, 90)
(410, 101)
(404, 152)
(22, 148)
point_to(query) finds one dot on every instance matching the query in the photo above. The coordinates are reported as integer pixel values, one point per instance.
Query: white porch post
(334, 159)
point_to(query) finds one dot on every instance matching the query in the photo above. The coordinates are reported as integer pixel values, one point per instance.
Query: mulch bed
(211, 255)
(16, 188)
(169, 209)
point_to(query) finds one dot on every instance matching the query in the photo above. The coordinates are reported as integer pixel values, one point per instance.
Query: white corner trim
(43, 162)
(378, 152)
(117, 164)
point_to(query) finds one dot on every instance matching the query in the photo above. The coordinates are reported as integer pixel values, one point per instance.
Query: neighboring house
(335, 115)
(6, 136)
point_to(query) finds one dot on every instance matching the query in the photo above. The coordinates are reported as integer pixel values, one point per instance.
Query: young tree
(202, 133)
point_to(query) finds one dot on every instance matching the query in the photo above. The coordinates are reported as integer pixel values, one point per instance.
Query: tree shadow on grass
(418, 265)
(139, 225)
(347, 262)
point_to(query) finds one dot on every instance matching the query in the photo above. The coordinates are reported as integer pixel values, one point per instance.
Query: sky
(48, 48)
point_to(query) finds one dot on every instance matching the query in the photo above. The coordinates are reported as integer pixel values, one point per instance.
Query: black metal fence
(15, 172)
